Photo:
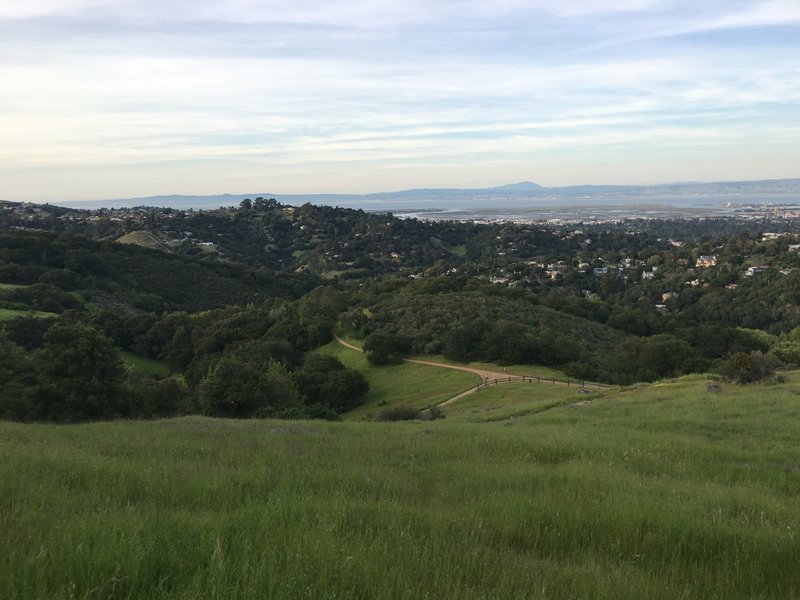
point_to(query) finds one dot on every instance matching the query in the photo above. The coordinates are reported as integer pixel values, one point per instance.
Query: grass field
(417, 385)
(144, 365)
(664, 491)
(533, 370)
(8, 313)
(513, 400)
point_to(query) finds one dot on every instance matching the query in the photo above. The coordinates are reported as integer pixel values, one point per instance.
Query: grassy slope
(513, 400)
(533, 370)
(8, 313)
(417, 385)
(143, 364)
(654, 492)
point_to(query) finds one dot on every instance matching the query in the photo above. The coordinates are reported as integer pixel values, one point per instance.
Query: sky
(108, 99)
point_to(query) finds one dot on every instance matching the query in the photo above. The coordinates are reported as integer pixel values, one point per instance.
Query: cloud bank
(114, 98)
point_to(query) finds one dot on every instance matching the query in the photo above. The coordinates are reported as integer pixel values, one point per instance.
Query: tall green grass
(663, 491)
(514, 400)
(144, 365)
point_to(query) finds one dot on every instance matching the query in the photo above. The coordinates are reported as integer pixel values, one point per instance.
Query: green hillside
(658, 491)
(121, 276)
(417, 385)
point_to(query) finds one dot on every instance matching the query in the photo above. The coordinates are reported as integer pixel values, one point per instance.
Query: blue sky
(119, 98)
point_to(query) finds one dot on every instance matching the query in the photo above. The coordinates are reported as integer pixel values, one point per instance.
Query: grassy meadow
(663, 491)
(10, 313)
(513, 400)
(417, 385)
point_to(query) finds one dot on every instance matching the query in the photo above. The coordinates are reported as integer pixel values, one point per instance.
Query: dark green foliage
(383, 348)
(324, 381)
(787, 347)
(238, 389)
(434, 413)
(80, 375)
(787, 351)
(40, 296)
(16, 379)
(648, 359)
(399, 412)
(749, 368)
(405, 286)
(122, 275)
(714, 341)
(27, 332)
(150, 398)
(483, 323)
(74, 374)
(466, 342)
(309, 322)
(583, 371)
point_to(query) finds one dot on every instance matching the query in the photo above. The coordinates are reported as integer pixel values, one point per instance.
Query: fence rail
(537, 379)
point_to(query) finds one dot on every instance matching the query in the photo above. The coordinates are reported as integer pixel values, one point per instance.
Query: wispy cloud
(361, 95)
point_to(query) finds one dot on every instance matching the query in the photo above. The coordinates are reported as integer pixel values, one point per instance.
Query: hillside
(661, 491)
(114, 274)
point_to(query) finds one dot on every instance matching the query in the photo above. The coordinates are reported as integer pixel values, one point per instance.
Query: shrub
(431, 414)
(748, 368)
(386, 348)
(236, 389)
(324, 380)
(787, 351)
(400, 412)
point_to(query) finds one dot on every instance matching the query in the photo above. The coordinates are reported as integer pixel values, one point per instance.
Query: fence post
(567, 382)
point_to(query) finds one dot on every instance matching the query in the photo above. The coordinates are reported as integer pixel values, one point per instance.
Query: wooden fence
(536, 379)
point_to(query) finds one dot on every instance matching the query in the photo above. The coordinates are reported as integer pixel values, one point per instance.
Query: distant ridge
(511, 194)
(523, 186)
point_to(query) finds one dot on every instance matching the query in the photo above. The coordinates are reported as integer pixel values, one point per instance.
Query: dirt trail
(482, 373)
(485, 375)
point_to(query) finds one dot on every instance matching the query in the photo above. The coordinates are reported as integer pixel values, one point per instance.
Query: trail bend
(495, 377)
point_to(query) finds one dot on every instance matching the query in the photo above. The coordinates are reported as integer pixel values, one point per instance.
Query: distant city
(528, 202)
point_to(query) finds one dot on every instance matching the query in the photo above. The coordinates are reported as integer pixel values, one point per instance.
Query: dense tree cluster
(65, 272)
(234, 362)
(75, 374)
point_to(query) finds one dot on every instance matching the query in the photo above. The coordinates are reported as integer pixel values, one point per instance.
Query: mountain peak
(522, 186)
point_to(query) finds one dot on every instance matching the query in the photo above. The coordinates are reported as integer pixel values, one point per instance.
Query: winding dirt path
(485, 375)
(482, 373)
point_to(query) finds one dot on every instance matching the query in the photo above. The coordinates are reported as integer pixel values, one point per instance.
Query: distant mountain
(523, 186)
(511, 194)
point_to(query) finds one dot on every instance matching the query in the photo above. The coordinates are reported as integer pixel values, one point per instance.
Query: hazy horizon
(108, 99)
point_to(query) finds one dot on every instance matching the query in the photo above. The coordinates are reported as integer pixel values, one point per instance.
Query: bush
(236, 389)
(787, 351)
(325, 381)
(431, 414)
(400, 412)
(748, 368)
(386, 348)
